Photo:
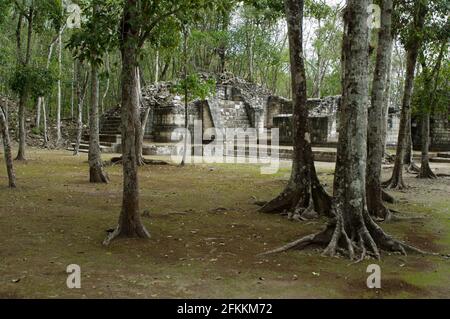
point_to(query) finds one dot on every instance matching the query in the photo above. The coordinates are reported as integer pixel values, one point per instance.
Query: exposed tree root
(388, 158)
(118, 232)
(426, 172)
(301, 203)
(387, 197)
(381, 213)
(98, 175)
(395, 184)
(367, 240)
(298, 205)
(141, 162)
(412, 168)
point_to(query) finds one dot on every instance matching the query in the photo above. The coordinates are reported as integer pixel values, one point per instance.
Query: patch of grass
(205, 231)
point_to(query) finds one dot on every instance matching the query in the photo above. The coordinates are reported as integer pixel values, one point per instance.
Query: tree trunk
(130, 224)
(412, 51)
(141, 131)
(222, 50)
(58, 104)
(25, 94)
(40, 102)
(81, 86)
(105, 94)
(164, 71)
(157, 67)
(352, 231)
(22, 131)
(431, 84)
(304, 196)
(425, 169)
(4, 132)
(38, 112)
(376, 116)
(186, 112)
(44, 115)
(97, 173)
(72, 93)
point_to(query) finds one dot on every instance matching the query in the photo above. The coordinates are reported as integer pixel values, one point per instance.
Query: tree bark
(25, 94)
(105, 93)
(425, 169)
(59, 95)
(412, 51)
(97, 173)
(352, 231)
(81, 87)
(431, 83)
(142, 120)
(44, 115)
(303, 196)
(186, 105)
(130, 224)
(377, 116)
(4, 132)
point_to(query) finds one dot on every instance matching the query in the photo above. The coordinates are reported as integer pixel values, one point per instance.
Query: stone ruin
(240, 104)
(235, 104)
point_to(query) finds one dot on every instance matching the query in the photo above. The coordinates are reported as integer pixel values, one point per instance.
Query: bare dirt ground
(206, 235)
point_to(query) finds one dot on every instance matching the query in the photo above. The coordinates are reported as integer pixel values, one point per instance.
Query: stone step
(106, 138)
(110, 132)
(444, 155)
(440, 159)
(85, 145)
(71, 149)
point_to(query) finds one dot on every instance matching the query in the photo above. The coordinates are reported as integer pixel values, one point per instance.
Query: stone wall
(392, 128)
(439, 133)
(322, 119)
(239, 104)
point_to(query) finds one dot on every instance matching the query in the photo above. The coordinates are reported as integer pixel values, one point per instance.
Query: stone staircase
(442, 157)
(110, 136)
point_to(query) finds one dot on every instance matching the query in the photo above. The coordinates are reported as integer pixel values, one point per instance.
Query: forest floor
(206, 235)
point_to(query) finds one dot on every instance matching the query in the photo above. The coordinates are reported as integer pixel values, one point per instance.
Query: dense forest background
(245, 39)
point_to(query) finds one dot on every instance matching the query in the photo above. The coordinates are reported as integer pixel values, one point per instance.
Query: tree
(303, 196)
(28, 13)
(412, 42)
(427, 98)
(377, 115)
(352, 231)
(4, 132)
(81, 84)
(139, 20)
(90, 45)
(192, 87)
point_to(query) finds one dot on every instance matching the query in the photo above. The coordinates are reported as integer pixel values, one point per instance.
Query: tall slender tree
(140, 21)
(413, 43)
(130, 224)
(303, 195)
(377, 115)
(4, 132)
(27, 12)
(89, 45)
(428, 98)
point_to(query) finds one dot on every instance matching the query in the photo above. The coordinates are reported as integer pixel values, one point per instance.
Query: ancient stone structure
(322, 116)
(239, 104)
(236, 104)
(439, 132)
